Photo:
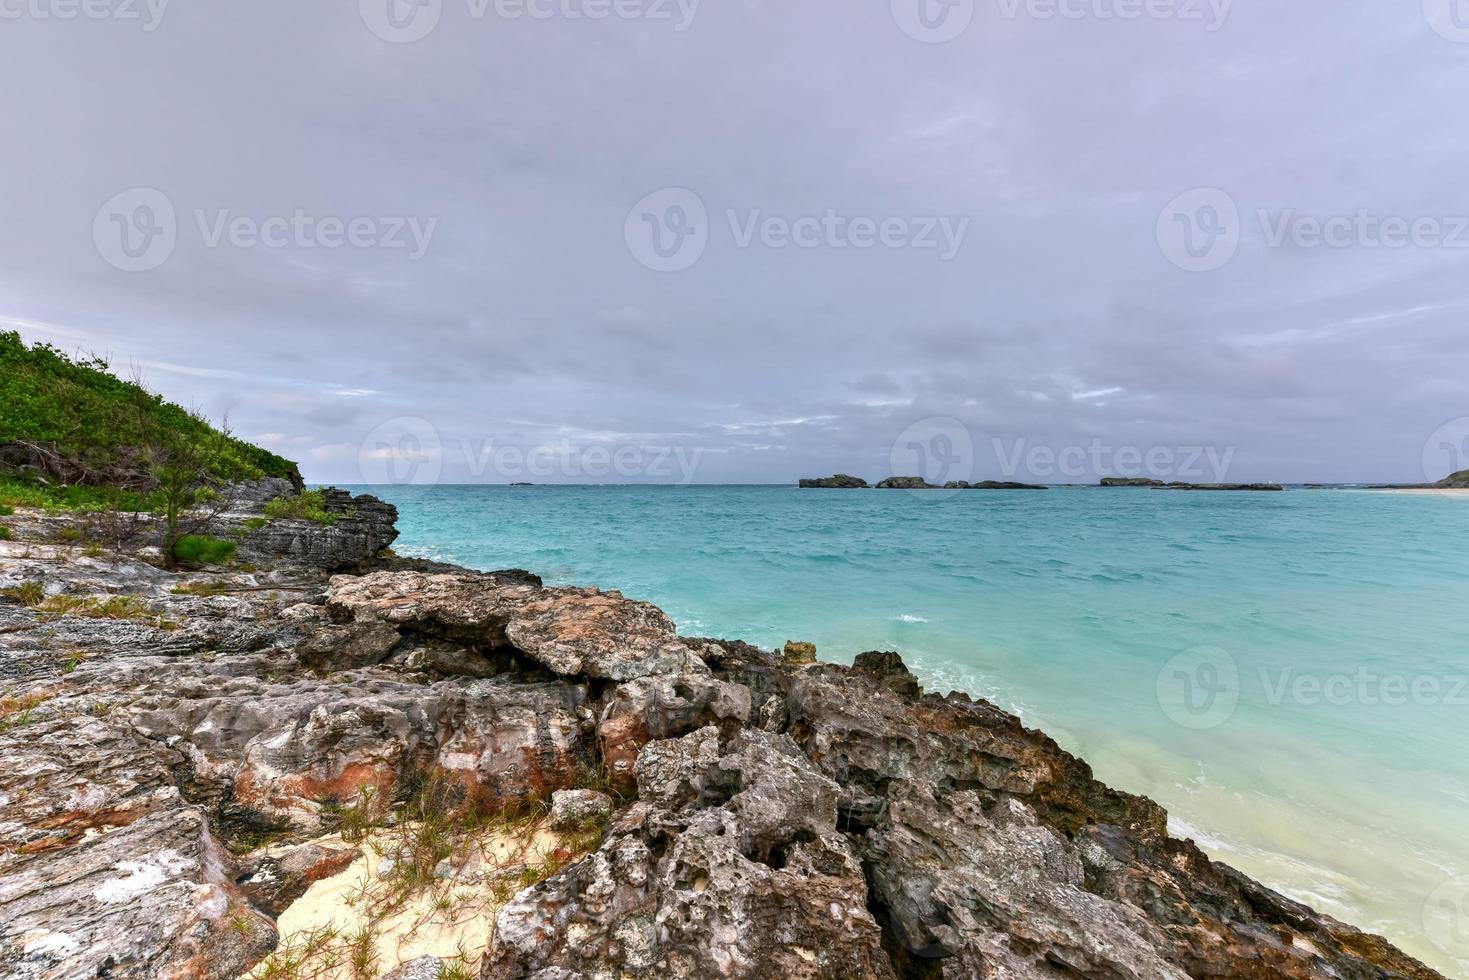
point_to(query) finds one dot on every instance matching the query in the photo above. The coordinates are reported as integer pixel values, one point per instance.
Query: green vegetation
(203, 549)
(84, 426)
(26, 593)
(308, 506)
(6, 510)
(6, 534)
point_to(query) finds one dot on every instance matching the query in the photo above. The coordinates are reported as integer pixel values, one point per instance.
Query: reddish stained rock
(572, 632)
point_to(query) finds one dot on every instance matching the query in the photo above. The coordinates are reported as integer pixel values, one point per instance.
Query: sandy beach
(1430, 491)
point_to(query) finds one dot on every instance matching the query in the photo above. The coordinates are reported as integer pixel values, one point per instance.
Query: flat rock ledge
(164, 763)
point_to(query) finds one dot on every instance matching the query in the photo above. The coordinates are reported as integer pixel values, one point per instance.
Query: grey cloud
(529, 319)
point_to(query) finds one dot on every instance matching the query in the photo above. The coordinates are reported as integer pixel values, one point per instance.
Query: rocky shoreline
(188, 753)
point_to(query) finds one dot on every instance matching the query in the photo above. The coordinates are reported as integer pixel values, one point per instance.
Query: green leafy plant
(6, 534)
(203, 549)
(309, 505)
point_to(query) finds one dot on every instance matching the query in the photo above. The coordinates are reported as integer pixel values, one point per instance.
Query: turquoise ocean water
(1284, 672)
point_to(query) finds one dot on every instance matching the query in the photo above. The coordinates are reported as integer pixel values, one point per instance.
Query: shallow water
(1284, 672)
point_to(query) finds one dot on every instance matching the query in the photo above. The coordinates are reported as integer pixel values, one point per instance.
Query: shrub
(309, 505)
(98, 423)
(5, 533)
(6, 510)
(203, 549)
(26, 593)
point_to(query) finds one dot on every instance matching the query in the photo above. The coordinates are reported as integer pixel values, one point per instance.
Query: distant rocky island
(1122, 481)
(1454, 481)
(843, 481)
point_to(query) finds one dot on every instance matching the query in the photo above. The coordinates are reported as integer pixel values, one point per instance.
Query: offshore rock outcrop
(839, 482)
(168, 772)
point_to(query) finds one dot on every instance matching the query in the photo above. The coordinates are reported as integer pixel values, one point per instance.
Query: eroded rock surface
(169, 761)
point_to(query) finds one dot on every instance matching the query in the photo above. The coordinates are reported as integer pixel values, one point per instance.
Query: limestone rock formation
(173, 756)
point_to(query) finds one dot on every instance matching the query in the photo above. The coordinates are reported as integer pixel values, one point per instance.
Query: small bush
(309, 505)
(26, 593)
(203, 549)
(6, 510)
(6, 534)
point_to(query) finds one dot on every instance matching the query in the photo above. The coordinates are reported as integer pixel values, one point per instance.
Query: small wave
(909, 618)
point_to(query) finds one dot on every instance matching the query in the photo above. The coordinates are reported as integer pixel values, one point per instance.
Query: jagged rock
(733, 870)
(906, 483)
(108, 872)
(797, 653)
(364, 526)
(839, 482)
(573, 808)
(888, 669)
(330, 648)
(419, 968)
(1130, 481)
(650, 708)
(274, 877)
(572, 632)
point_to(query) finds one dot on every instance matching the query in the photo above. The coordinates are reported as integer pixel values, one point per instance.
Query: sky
(675, 241)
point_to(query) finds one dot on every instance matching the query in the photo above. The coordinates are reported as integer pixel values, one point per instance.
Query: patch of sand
(452, 919)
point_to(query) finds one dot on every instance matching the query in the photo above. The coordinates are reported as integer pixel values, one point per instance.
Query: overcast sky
(1038, 239)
